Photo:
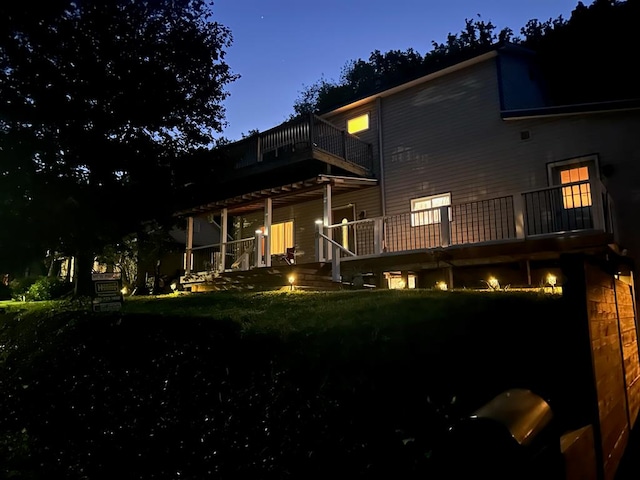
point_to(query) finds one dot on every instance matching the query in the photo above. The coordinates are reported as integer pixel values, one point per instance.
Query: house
(465, 177)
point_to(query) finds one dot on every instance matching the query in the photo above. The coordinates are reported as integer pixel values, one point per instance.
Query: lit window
(576, 196)
(281, 237)
(427, 209)
(358, 124)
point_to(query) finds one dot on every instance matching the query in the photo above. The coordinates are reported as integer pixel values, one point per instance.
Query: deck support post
(188, 256)
(518, 211)
(223, 240)
(258, 260)
(268, 211)
(327, 218)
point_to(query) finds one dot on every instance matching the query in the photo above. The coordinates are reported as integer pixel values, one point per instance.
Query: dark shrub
(20, 286)
(47, 288)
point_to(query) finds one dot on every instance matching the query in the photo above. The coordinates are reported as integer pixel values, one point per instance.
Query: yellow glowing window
(426, 210)
(281, 237)
(358, 124)
(576, 196)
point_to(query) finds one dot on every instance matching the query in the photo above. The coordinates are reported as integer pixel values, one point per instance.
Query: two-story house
(461, 178)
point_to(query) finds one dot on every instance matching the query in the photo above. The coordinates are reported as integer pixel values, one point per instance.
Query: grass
(269, 385)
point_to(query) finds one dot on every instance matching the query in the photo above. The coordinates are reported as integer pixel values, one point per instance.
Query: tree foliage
(100, 101)
(587, 58)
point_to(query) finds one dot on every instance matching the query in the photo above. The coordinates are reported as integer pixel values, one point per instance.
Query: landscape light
(551, 279)
(493, 283)
(442, 286)
(292, 279)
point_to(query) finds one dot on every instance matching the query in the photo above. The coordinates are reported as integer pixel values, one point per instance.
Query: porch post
(335, 267)
(188, 264)
(319, 242)
(445, 227)
(327, 218)
(223, 240)
(268, 206)
(258, 249)
(518, 211)
(377, 236)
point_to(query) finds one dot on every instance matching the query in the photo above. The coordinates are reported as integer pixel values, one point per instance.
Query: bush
(38, 288)
(47, 288)
(20, 286)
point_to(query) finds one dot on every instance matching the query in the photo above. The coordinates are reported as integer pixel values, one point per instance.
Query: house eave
(282, 195)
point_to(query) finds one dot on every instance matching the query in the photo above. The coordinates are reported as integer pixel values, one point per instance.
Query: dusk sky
(281, 46)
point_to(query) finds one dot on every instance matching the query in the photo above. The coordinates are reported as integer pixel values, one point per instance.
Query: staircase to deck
(309, 276)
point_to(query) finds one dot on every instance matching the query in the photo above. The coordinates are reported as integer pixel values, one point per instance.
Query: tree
(100, 103)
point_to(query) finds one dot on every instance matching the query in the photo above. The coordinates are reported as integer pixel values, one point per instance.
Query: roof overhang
(282, 195)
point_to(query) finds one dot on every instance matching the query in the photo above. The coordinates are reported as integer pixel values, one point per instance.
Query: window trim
(433, 216)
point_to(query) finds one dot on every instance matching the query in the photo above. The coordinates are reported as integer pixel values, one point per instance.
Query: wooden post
(377, 235)
(268, 207)
(445, 227)
(518, 211)
(327, 218)
(258, 260)
(188, 261)
(319, 242)
(223, 240)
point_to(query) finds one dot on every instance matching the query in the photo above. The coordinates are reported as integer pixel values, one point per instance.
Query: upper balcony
(301, 147)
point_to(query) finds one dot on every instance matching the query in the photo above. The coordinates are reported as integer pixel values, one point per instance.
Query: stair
(311, 276)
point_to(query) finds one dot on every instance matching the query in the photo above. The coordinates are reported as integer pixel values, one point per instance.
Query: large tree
(99, 102)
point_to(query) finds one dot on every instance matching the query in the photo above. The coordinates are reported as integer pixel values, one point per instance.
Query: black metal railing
(310, 132)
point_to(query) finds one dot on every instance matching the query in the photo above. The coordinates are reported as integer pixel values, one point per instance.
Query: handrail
(336, 244)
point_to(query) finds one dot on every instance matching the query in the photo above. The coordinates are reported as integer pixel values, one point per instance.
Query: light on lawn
(552, 279)
(442, 286)
(292, 280)
(174, 286)
(493, 283)
(124, 290)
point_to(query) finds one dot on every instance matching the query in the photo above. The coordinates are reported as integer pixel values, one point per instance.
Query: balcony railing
(581, 206)
(310, 133)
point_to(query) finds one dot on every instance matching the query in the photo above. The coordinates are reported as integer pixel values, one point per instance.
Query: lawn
(261, 385)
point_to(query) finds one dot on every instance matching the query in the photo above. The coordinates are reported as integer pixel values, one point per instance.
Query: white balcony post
(445, 227)
(258, 261)
(268, 207)
(319, 242)
(518, 212)
(188, 260)
(327, 217)
(335, 265)
(223, 240)
(377, 236)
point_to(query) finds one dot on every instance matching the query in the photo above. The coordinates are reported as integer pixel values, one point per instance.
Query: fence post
(188, 260)
(335, 265)
(319, 242)
(377, 236)
(445, 226)
(518, 212)
(258, 249)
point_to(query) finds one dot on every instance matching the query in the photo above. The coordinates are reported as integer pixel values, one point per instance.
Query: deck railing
(303, 133)
(238, 254)
(580, 206)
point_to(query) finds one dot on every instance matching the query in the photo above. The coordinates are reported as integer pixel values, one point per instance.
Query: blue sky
(280, 46)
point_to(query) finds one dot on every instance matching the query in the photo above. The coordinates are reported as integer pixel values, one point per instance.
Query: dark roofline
(576, 109)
